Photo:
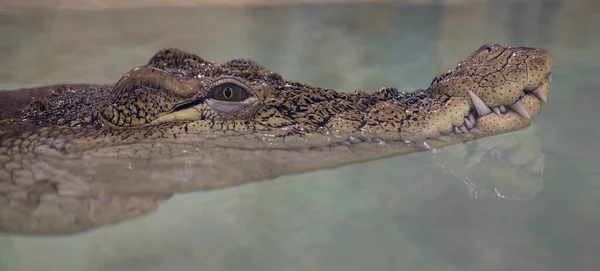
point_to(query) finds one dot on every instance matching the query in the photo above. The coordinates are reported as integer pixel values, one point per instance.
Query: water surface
(422, 211)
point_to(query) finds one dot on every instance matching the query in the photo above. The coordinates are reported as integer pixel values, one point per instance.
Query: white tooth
(480, 106)
(472, 119)
(496, 110)
(518, 106)
(469, 124)
(538, 92)
(549, 78)
(457, 131)
(502, 109)
(464, 129)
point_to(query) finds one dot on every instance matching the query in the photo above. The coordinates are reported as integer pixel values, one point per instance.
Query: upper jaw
(540, 92)
(509, 117)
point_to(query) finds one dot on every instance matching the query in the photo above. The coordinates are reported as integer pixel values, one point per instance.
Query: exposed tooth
(464, 129)
(518, 106)
(469, 124)
(472, 119)
(549, 78)
(502, 109)
(457, 131)
(538, 92)
(496, 110)
(480, 106)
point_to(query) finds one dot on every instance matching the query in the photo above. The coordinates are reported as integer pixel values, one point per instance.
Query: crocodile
(182, 123)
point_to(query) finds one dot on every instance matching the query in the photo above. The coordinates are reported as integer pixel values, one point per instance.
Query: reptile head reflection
(182, 123)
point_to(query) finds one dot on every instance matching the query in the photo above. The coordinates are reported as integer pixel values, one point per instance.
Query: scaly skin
(182, 123)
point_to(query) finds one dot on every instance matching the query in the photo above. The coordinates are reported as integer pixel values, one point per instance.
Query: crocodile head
(182, 123)
(513, 83)
(495, 90)
(179, 106)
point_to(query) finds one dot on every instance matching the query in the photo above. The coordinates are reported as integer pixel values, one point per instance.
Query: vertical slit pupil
(227, 92)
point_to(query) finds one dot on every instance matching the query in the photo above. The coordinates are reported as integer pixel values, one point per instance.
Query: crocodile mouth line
(468, 127)
(471, 119)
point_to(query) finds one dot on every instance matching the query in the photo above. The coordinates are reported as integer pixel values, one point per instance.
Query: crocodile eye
(229, 90)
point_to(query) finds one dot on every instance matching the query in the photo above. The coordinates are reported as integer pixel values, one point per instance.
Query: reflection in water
(324, 224)
(42, 210)
(507, 166)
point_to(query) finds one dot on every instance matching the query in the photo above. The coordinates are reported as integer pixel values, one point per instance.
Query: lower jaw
(506, 118)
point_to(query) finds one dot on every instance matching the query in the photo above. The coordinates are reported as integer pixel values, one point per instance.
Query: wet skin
(182, 123)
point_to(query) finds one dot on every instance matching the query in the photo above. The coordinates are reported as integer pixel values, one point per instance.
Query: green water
(402, 213)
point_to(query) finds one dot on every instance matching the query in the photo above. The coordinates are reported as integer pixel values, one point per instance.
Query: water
(402, 213)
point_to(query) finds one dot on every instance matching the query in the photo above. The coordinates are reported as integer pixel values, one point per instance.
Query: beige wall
(115, 4)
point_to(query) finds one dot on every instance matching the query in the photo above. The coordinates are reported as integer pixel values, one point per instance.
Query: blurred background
(423, 211)
(112, 4)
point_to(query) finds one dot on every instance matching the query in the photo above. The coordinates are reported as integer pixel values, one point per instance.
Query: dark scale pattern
(69, 106)
(146, 93)
(178, 62)
(68, 144)
(386, 93)
(140, 106)
(174, 79)
(495, 73)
